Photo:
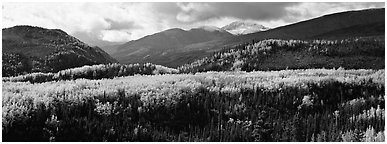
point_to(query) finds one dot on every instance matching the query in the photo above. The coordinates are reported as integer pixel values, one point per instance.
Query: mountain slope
(335, 25)
(175, 47)
(363, 45)
(34, 49)
(171, 47)
(244, 27)
(363, 30)
(363, 53)
(110, 49)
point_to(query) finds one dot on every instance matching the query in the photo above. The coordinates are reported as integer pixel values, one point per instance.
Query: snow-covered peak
(244, 27)
(210, 28)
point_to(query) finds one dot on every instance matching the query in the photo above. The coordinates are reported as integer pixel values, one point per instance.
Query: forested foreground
(288, 105)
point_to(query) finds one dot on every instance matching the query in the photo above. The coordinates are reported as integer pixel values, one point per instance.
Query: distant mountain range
(175, 47)
(34, 49)
(369, 22)
(244, 27)
(235, 28)
(171, 47)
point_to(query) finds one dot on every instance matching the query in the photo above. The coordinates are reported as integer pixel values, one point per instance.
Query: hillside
(110, 49)
(34, 49)
(369, 22)
(364, 24)
(272, 54)
(176, 47)
(171, 47)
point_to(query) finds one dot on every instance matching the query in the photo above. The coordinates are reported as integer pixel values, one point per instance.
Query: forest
(265, 91)
(94, 72)
(275, 54)
(288, 105)
(193, 72)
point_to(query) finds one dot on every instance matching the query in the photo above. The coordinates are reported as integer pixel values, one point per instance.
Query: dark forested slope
(364, 53)
(350, 24)
(34, 49)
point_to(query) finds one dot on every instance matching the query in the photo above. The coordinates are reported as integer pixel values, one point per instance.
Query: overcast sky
(100, 23)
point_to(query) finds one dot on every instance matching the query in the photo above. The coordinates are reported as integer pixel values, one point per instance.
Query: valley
(317, 80)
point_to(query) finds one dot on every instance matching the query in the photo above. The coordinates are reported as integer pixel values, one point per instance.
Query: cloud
(268, 12)
(310, 10)
(259, 11)
(121, 25)
(106, 23)
(115, 35)
(90, 22)
(191, 12)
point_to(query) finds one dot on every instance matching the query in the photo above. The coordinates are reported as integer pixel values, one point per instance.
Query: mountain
(349, 24)
(35, 49)
(337, 26)
(352, 40)
(272, 54)
(110, 49)
(175, 47)
(244, 27)
(172, 47)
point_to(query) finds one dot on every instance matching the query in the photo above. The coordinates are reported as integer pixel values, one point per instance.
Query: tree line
(94, 72)
(290, 105)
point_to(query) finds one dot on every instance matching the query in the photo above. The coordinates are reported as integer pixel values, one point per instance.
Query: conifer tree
(358, 135)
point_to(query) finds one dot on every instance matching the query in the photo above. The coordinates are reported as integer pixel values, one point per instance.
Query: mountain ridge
(36, 49)
(342, 25)
(308, 29)
(163, 47)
